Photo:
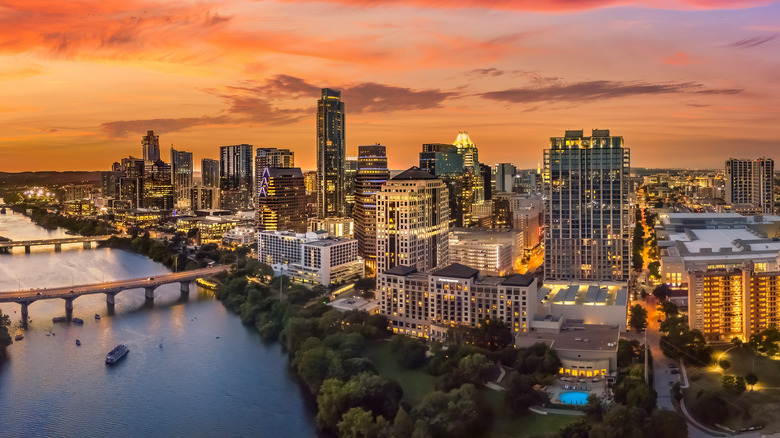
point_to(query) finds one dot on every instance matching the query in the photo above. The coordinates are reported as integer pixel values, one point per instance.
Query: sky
(687, 83)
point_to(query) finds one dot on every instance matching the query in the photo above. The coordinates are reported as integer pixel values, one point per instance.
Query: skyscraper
(505, 177)
(281, 200)
(350, 170)
(157, 186)
(271, 157)
(371, 174)
(751, 182)
(412, 222)
(587, 222)
(331, 151)
(181, 176)
(235, 176)
(150, 144)
(209, 172)
(443, 161)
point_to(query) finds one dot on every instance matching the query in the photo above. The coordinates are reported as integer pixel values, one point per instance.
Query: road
(108, 286)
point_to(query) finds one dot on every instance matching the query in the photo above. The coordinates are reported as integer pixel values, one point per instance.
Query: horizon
(693, 81)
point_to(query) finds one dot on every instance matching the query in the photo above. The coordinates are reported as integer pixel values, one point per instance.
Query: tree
(638, 319)
(594, 409)
(359, 423)
(409, 351)
(5, 336)
(667, 424)
(520, 393)
(725, 364)
(669, 308)
(751, 379)
(734, 384)
(662, 292)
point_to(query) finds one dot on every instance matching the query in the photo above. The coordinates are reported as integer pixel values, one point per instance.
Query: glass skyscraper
(331, 154)
(235, 176)
(587, 215)
(371, 174)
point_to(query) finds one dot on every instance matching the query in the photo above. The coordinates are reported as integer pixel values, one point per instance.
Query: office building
(334, 226)
(310, 182)
(412, 222)
(350, 170)
(587, 211)
(313, 257)
(157, 186)
(235, 176)
(203, 197)
(428, 304)
(274, 157)
(281, 200)
(211, 229)
(331, 154)
(181, 175)
(487, 181)
(209, 172)
(150, 145)
(505, 177)
(602, 303)
(109, 184)
(751, 182)
(371, 174)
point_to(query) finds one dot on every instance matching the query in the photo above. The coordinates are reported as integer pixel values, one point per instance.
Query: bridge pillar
(185, 287)
(68, 304)
(24, 312)
(57, 247)
(87, 245)
(27, 249)
(111, 298)
(149, 292)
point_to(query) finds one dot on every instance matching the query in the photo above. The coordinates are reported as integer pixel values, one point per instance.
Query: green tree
(725, 364)
(669, 309)
(662, 292)
(409, 351)
(751, 379)
(667, 424)
(359, 423)
(5, 336)
(733, 384)
(654, 268)
(594, 408)
(520, 393)
(638, 319)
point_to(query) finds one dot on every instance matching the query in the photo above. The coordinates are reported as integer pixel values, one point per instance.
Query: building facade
(490, 252)
(281, 200)
(150, 146)
(209, 172)
(235, 176)
(181, 176)
(428, 304)
(587, 211)
(371, 174)
(751, 182)
(412, 222)
(331, 155)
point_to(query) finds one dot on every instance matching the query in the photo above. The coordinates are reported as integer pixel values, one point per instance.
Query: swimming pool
(574, 398)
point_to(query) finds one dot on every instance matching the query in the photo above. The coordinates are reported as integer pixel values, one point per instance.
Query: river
(193, 369)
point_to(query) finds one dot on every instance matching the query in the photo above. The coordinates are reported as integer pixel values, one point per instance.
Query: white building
(490, 252)
(412, 222)
(593, 303)
(312, 258)
(240, 236)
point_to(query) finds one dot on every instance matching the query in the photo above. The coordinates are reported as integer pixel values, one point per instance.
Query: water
(212, 377)
(574, 398)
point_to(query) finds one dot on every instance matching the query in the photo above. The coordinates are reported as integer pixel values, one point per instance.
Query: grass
(752, 408)
(415, 383)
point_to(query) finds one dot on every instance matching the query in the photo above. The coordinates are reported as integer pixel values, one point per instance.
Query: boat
(58, 319)
(2, 210)
(18, 337)
(78, 342)
(78, 321)
(116, 354)
(97, 316)
(161, 339)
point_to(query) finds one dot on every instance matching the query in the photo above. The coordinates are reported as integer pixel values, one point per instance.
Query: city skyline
(691, 78)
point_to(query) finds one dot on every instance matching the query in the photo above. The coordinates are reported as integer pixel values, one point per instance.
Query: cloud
(598, 90)
(679, 58)
(362, 97)
(555, 5)
(124, 127)
(492, 71)
(756, 41)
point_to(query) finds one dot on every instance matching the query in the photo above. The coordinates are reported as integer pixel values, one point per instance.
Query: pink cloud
(679, 58)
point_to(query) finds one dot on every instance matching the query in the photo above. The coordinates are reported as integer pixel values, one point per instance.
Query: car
(675, 371)
(671, 365)
(151, 278)
(38, 293)
(72, 291)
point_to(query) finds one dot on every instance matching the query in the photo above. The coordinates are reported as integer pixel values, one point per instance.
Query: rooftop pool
(574, 398)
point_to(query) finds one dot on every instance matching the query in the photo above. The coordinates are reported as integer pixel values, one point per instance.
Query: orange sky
(688, 83)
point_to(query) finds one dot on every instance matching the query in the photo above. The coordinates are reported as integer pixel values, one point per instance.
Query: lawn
(753, 408)
(415, 383)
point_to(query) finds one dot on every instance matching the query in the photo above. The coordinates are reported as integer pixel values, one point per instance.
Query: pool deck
(571, 384)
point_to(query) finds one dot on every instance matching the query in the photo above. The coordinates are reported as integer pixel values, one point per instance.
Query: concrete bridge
(85, 240)
(110, 288)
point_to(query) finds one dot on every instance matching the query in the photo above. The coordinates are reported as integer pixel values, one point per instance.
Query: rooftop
(401, 270)
(456, 270)
(413, 173)
(575, 336)
(519, 280)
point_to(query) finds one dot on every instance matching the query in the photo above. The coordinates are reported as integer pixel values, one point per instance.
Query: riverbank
(50, 221)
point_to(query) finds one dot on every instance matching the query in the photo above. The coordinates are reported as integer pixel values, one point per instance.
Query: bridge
(109, 288)
(86, 240)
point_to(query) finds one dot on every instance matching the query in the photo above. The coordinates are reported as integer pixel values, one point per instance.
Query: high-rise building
(157, 186)
(350, 170)
(475, 182)
(587, 222)
(181, 176)
(204, 197)
(281, 200)
(109, 183)
(130, 188)
(751, 182)
(150, 145)
(331, 152)
(412, 222)
(310, 181)
(209, 172)
(505, 177)
(271, 157)
(372, 172)
(235, 176)
(487, 181)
